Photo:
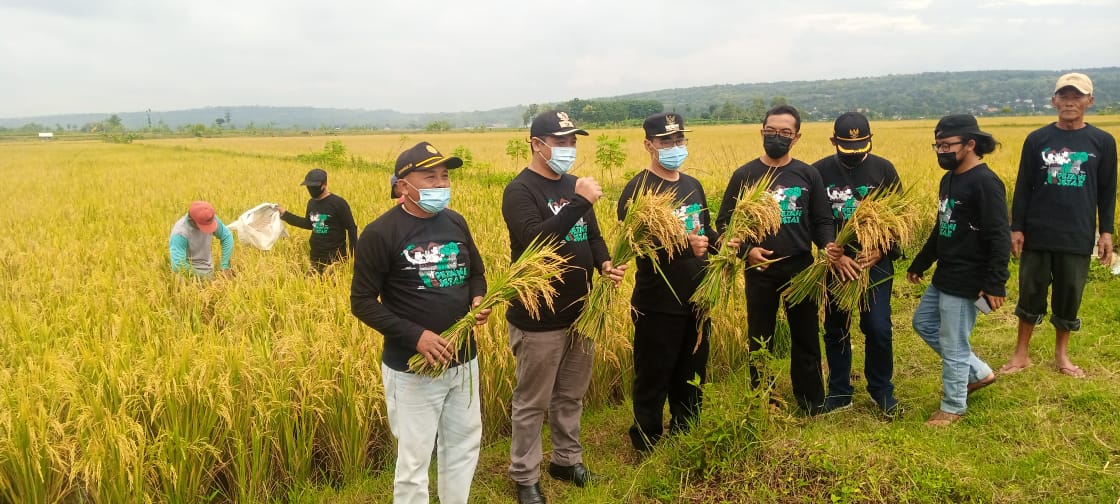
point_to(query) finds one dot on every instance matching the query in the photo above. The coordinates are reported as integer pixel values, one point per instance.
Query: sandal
(942, 419)
(977, 385)
(1072, 371)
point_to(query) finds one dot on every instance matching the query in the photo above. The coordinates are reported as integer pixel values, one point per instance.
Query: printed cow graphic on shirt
(578, 233)
(319, 223)
(946, 225)
(1063, 167)
(844, 201)
(437, 264)
(787, 199)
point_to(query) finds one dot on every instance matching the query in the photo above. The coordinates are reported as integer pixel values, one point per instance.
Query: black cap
(316, 177)
(958, 125)
(553, 122)
(664, 124)
(421, 157)
(852, 133)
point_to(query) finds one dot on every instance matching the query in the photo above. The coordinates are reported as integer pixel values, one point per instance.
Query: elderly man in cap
(1065, 194)
(667, 326)
(191, 239)
(970, 241)
(329, 219)
(416, 272)
(553, 372)
(850, 175)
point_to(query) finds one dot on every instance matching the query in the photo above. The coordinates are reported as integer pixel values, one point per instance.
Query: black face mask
(850, 160)
(948, 160)
(776, 146)
(315, 190)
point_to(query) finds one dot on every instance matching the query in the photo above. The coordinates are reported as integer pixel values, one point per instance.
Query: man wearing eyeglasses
(666, 324)
(1065, 194)
(806, 221)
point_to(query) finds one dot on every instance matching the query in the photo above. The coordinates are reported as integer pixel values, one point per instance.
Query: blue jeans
(875, 323)
(945, 323)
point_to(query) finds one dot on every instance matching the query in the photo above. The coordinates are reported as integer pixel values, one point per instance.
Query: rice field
(120, 382)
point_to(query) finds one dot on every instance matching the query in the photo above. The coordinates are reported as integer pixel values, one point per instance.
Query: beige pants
(553, 372)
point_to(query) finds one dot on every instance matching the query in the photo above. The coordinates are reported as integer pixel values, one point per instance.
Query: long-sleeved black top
(685, 271)
(846, 187)
(534, 206)
(1065, 190)
(412, 274)
(970, 241)
(797, 187)
(331, 224)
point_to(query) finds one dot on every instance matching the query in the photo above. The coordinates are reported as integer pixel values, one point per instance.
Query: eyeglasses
(671, 142)
(784, 133)
(944, 146)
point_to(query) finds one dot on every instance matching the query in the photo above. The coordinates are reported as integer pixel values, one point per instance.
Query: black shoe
(836, 403)
(578, 474)
(890, 407)
(530, 494)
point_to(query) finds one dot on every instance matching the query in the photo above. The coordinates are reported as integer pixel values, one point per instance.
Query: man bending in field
(191, 239)
(416, 272)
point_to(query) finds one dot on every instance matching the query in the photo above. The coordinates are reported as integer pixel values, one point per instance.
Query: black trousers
(664, 364)
(763, 297)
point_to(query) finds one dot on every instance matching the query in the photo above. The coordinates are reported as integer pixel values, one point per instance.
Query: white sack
(260, 226)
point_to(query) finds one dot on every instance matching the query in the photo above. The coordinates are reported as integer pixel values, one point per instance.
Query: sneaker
(833, 404)
(890, 408)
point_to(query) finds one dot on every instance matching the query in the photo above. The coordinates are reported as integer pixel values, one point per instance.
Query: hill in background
(992, 92)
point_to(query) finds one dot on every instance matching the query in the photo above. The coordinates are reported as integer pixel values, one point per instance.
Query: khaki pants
(553, 372)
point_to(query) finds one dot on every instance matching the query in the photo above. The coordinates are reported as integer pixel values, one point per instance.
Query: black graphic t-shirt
(533, 206)
(970, 241)
(1066, 185)
(412, 274)
(685, 271)
(331, 223)
(846, 186)
(806, 217)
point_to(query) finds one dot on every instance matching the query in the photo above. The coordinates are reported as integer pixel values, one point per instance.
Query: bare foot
(1014, 366)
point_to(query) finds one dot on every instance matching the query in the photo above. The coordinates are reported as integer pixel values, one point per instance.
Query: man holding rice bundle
(806, 220)
(553, 361)
(971, 244)
(666, 325)
(416, 272)
(849, 176)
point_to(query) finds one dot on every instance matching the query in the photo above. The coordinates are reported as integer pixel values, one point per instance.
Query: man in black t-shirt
(416, 272)
(850, 175)
(806, 221)
(666, 328)
(1065, 194)
(329, 219)
(553, 361)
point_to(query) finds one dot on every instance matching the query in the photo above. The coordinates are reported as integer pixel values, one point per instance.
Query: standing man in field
(666, 324)
(416, 272)
(545, 202)
(971, 244)
(849, 176)
(805, 220)
(191, 239)
(1065, 194)
(329, 219)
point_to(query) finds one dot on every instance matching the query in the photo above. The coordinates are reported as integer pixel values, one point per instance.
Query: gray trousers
(553, 372)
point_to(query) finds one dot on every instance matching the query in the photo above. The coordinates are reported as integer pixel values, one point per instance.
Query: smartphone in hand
(983, 306)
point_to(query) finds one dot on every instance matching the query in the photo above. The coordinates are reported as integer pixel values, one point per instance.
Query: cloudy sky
(105, 56)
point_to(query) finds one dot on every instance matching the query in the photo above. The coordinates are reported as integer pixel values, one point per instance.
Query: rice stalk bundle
(755, 217)
(650, 226)
(529, 279)
(883, 219)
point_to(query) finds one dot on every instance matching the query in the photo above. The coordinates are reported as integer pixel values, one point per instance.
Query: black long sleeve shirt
(1065, 190)
(970, 241)
(806, 218)
(685, 271)
(331, 224)
(412, 274)
(846, 187)
(534, 206)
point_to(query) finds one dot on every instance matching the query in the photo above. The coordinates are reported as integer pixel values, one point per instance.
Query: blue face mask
(433, 200)
(562, 159)
(672, 158)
